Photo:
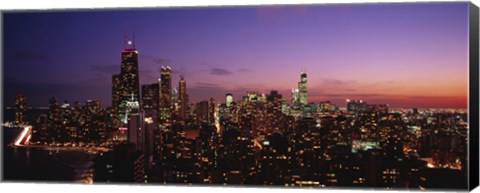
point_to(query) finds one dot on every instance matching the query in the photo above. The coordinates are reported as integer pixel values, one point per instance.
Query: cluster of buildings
(261, 139)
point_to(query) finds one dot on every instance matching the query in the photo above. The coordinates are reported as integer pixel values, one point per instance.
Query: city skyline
(347, 96)
(234, 49)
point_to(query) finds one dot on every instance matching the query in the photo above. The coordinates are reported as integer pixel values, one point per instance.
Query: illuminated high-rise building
(211, 111)
(202, 112)
(229, 99)
(126, 84)
(183, 97)
(165, 94)
(116, 99)
(150, 96)
(54, 121)
(20, 109)
(302, 89)
(174, 95)
(295, 96)
(135, 120)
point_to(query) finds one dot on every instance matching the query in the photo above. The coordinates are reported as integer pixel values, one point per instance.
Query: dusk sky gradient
(404, 55)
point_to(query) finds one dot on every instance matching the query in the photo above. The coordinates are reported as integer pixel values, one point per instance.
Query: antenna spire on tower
(129, 36)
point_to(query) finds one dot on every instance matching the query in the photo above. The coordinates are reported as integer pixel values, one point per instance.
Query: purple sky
(405, 55)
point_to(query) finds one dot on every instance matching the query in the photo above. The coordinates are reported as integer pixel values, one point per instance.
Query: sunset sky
(404, 55)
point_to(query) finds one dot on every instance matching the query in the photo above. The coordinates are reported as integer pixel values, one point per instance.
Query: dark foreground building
(122, 164)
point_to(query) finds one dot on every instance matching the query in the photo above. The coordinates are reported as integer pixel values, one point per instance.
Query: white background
(73, 188)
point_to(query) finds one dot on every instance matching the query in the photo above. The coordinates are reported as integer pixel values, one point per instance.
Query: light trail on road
(24, 136)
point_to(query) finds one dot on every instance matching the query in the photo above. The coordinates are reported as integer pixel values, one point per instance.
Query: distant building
(211, 111)
(229, 99)
(20, 109)
(116, 91)
(355, 106)
(326, 106)
(202, 112)
(150, 96)
(302, 87)
(149, 127)
(183, 98)
(295, 97)
(165, 95)
(54, 121)
(136, 135)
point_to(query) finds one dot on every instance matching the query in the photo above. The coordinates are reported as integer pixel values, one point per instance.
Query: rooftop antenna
(302, 70)
(129, 36)
(133, 36)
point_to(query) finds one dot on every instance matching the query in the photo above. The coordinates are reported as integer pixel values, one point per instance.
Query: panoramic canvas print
(328, 96)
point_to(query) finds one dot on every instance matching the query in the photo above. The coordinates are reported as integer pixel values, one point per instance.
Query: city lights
(286, 105)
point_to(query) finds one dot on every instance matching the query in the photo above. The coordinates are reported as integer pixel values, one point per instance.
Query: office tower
(150, 96)
(229, 99)
(69, 134)
(126, 84)
(302, 87)
(54, 121)
(295, 97)
(211, 111)
(20, 109)
(149, 128)
(116, 92)
(183, 97)
(174, 96)
(355, 106)
(202, 112)
(122, 164)
(135, 120)
(274, 102)
(165, 94)
(93, 127)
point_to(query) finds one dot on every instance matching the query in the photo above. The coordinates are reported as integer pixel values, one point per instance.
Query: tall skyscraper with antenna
(125, 86)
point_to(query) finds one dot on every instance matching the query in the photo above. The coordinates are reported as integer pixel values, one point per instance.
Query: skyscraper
(183, 98)
(116, 94)
(229, 99)
(302, 87)
(20, 108)
(126, 84)
(165, 94)
(135, 120)
(211, 111)
(202, 112)
(54, 121)
(150, 96)
(295, 97)
(175, 95)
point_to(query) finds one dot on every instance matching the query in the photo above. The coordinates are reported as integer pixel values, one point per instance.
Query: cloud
(207, 84)
(336, 82)
(220, 71)
(243, 70)
(204, 91)
(105, 69)
(31, 56)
